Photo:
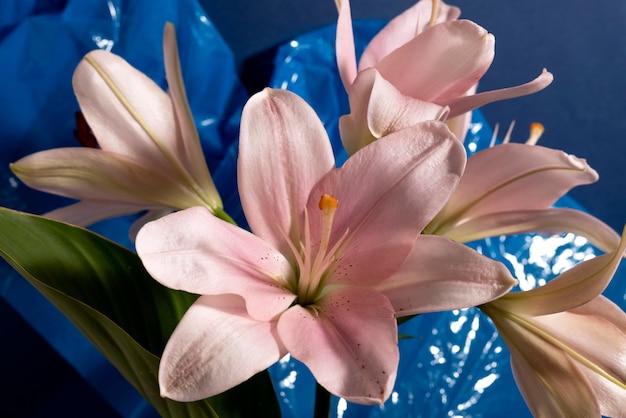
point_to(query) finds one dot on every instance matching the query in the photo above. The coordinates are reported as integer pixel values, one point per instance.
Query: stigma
(536, 130)
(328, 202)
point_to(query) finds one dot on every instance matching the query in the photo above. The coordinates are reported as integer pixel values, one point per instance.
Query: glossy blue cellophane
(455, 364)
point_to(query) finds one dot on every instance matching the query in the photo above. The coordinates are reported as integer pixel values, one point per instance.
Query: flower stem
(322, 402)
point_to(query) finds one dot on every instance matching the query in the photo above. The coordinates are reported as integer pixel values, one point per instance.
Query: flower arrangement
(342, 239)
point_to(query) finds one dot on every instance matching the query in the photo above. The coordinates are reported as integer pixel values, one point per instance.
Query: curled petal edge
(464, 104)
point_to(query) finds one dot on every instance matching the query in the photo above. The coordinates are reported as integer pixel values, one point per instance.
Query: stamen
(536, 130)
(494, 136)
(305, 264)
(434, 13)
(507, 137)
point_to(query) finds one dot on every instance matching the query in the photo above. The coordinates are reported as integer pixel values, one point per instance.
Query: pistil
(328, 205)
(313, 268)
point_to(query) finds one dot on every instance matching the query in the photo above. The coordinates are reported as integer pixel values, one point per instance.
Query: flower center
(314, 265)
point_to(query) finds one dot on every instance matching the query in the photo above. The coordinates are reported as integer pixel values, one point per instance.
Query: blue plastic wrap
(41, 42)
(456, 365)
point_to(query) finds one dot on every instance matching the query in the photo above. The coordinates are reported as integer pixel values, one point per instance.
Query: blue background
(583, 45)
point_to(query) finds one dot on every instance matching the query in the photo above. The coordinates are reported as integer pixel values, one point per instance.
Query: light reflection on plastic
(208, 121)
(456, 326)
(102, 43)
(289, 381)
(342, 406)
(112, 10)
(485, 382)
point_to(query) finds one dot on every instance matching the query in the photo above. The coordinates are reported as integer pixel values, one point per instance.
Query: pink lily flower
(316, 278)
(509, 189)
(434, 60)
(149, 155)
(567, 343)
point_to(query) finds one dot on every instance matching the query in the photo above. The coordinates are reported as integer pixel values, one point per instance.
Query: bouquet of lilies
(334, 254)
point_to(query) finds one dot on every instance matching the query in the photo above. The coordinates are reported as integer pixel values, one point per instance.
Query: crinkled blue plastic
(456, 365)
(41, 42)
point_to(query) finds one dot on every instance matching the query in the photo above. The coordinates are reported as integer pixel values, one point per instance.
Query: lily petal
(445, 61)
(191, 259)
(209, 351)
(404, 27)
(119, 102)
(460, 105)
(91, 174)
(573, 288)
(378, 109)
(599, 344)
(611, 397)
(496, 177)
(440, 274)
(344, 44)
(611, 326)
(393, 169)
(551, 383)
(348, 341)
(189, 148)
(459, 125)
(280, 134)
(87, 213)
(149, 216)
(553, 221)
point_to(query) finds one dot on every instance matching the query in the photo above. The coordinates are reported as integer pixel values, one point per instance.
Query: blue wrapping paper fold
(455, 366)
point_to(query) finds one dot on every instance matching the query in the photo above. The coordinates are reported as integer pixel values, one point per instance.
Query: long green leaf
(105, 291)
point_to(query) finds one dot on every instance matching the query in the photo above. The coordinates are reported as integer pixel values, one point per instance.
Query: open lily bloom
(567, 343)
(432, 59)
(510, 188)
(321, 278)
(149, 155)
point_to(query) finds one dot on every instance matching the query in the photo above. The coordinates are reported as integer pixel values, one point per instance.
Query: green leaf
(105, 291)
